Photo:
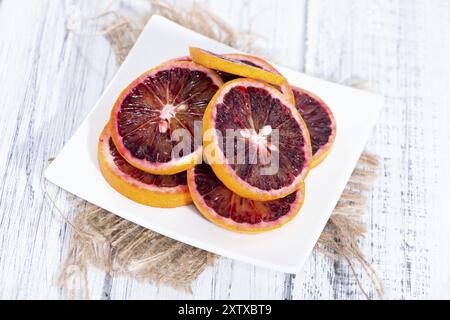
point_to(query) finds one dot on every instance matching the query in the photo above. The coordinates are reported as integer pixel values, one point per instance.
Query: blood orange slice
(234, 66)
(257, 62)
(320, 122)
(250, 60)
(147, 113)
(220, 205)
(165, 191)
(256, 114)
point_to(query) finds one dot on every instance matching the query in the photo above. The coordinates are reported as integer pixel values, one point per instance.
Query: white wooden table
(50, 79)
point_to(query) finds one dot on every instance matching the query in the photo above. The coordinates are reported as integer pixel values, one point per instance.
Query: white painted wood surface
(50, 79)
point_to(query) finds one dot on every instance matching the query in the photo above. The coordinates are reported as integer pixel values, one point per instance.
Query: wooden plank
(399, 47)
(47, 88)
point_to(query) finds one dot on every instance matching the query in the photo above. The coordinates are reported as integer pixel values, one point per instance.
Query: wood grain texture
(401, 48)
(50, 79)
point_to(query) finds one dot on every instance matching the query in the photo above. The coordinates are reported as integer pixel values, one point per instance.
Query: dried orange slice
(257, 62)
(256, 113)
(221, 206)
(250, 60)
(164, 191)
(234, 66)
(169, 97)
(320, 122)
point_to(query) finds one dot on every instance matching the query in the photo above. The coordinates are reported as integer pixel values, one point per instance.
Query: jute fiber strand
(121, 247)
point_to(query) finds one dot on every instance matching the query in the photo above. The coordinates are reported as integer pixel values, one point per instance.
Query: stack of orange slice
(185, 110)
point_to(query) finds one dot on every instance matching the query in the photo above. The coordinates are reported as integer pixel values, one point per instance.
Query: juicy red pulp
(141, 124)
(255, 108)
(144, 177)
(229, 205)
(316, 118)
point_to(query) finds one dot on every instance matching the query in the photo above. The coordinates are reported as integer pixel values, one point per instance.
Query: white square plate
(284, 249)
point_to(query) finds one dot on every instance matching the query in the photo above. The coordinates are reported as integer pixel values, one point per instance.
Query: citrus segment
(221, 206)
(165, 191)
(148, 112)
(275, 150)
(320, 122)
(234, 66)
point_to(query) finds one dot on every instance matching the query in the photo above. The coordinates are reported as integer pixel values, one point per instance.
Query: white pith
(259, 138)
(168, 112)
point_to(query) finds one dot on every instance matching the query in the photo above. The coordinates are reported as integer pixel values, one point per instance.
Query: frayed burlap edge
(121, 247)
